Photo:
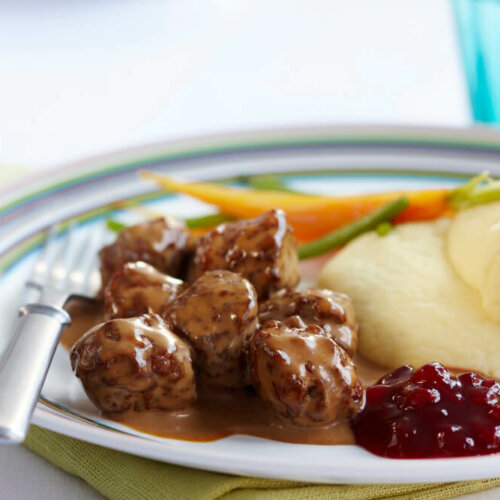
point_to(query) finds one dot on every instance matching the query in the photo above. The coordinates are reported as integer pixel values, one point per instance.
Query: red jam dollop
(429, 413)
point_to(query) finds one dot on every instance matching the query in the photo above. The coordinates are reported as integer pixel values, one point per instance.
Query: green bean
(191, 223)
(269, 183)
(478, 190)
(207, 220)
(384, 229)
(341, 236)
(115, 226)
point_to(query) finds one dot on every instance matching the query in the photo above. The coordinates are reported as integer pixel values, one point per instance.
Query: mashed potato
(473, 245)
(411, 305)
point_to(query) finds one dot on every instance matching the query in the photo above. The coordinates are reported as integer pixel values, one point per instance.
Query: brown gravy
(84, 315)
(216, 415)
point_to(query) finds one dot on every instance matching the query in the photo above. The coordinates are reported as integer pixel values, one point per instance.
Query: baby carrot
(342, 236)
(311, 216)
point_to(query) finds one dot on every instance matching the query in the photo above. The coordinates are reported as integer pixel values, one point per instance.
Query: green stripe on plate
(255, 145)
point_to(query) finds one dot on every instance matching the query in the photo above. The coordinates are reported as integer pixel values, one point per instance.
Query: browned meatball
(137, 288)
(263, 250)
(217, 314)
(333, 311)
(160, 242)
(303, 374)
(134, 363)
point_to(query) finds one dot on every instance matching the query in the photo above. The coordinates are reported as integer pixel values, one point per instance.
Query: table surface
(80, 78)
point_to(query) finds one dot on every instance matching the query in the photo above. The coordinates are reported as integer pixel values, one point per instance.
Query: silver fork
(63, 270)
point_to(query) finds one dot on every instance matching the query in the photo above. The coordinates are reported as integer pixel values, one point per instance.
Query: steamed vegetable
(347, 233)
(115, 225)
(313, 215)
(310, 215)
(477, 191)
(269, 183)
(205, 221)
(384, 228)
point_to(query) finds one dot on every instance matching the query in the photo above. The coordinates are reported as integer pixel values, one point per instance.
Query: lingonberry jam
(428, 413)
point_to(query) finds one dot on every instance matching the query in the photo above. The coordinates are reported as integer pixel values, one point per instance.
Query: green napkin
(121, 476)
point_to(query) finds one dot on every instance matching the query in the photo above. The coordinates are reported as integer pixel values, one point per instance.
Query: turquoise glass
(478, 23)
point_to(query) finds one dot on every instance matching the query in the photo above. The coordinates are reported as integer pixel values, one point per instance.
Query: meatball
(333, 311)
(160, 242)
(217, 314)
(134, 363)
(263, 250)
(137, 288)
(307, 377)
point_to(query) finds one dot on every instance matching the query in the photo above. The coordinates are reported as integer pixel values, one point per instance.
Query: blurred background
(81, 77)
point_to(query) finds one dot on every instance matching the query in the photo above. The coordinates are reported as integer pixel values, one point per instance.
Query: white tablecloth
(79, 78)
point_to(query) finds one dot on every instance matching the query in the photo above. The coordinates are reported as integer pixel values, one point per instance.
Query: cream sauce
(215, 414)
(84, 315)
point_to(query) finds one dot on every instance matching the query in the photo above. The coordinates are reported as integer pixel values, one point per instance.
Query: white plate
(327, 160)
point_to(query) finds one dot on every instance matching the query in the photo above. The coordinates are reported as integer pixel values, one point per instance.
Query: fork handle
(24, 366)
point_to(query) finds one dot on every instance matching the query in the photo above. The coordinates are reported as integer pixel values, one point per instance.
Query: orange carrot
(337, 211)
(310, 215)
